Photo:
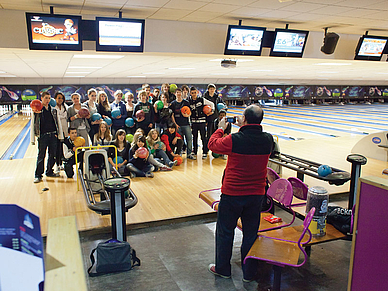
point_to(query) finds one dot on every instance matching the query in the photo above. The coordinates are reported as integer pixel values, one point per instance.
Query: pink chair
(299, 190)
(271, 176)
(281, 252)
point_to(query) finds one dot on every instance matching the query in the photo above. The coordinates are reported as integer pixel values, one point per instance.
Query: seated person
(103, 136)
(173, 141)
(122, 151)
(139, 167)
(69, 152)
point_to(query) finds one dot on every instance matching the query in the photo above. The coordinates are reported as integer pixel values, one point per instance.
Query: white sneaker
(192, 157)
(225, 157)
(204, 156)
(37, 180)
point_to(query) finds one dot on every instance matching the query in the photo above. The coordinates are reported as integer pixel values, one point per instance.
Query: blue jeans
(229, 210)
(140, 173)
(185, 131)
(45, 141)
(161, 154)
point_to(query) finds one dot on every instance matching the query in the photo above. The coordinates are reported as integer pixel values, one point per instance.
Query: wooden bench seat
(64, 263)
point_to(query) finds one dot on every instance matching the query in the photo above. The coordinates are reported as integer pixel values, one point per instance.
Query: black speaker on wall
(329, 43)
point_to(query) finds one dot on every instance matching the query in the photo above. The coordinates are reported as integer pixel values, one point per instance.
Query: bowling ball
(52, 102)
(126, 194)
(220, 106)
(119, 160)
(161, 144)
(36, 105)
(140, 114)
(207, 109)
(385, 92)
(83, 112)
(159, 105)
(336, 93)
(216, 155)
(173, 87)
(142, 152)
(186, 110)
(116, 113)
(129, 137)
(278, 92)
(129, 122)
(108, 121)
(96, 116)
(179, 159)
(28, 94)
(79, 141)
(324, 170)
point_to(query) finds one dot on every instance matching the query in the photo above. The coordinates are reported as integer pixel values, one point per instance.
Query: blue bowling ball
(129, 122)
(108, 121)
(96, 116)
(52, 102)
(220, 106)
(324, 170)
(116, 113)
(119, 160)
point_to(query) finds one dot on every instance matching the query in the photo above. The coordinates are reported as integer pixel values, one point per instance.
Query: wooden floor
(323, 134)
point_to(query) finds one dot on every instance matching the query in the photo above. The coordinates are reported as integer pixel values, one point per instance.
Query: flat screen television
(244, 40)
(120, 34)
(54, 32)
(289, 43)
(370, 48)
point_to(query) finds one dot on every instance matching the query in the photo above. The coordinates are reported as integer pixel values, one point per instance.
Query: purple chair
(281, 252)
(299, 190)
(271, 176)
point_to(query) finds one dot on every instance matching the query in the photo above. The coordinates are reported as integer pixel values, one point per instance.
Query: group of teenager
(166, 131)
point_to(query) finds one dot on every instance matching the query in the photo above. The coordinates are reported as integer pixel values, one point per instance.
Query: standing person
(119, 121)
(76, 121)
(166, 89)
(156, 93)
(228, 129)
(129, 106)
(198, 120)
(93, 108)
(162, 116)
(212, 96)
(45, 125)
(103, 106)
(182, 122)
(61, 108)
(185, 92)
(243, 188)
(146, 122)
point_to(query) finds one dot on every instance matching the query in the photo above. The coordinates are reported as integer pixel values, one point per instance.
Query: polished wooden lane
(170, 194)
(10, 129)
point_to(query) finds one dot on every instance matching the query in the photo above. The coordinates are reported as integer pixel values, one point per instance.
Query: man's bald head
(253, 114)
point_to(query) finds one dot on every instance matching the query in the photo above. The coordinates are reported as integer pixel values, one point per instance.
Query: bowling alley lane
(10, 129)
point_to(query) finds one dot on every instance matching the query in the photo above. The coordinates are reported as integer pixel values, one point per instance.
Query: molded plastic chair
(281, 252)
(272, 175)
(299, 190)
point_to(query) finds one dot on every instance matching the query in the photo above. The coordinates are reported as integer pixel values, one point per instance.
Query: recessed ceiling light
(333, 64)
(83, 67)
(153, 73)
(77, 72)
(181, 68)
(74, 76)
(2, 72)
(382, 73)
(238, 60)
(7, 76)
(216, 60)
(262, 70)
(219, 74)
(327, 72)
(136, 76)
(98, 56)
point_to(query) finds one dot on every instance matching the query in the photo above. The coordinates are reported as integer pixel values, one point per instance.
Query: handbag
(113, 256)
(340, 218)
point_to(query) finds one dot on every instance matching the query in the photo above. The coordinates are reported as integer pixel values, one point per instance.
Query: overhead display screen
(47, 31)
(372, 47)
(244, 40)
(289, 42)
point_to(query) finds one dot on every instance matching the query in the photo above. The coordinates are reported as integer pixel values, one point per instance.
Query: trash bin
(318, 197)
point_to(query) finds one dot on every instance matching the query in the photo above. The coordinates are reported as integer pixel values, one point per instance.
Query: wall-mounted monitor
(54, 32)
(120, 34)
(370, 48)
(244, 40)
(289, 43)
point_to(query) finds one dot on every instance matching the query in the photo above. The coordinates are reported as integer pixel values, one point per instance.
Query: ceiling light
(136, 76)
(2, 72)
(77, 72)
(7, 76)
(262, 70)
(328, 72)
(333, 64)
(83, 67)
(153, 73)
(216, 60)
(221, 74)
(382, 73)
(181, 68)
(244, 60)
(74, 76)
(98, 56)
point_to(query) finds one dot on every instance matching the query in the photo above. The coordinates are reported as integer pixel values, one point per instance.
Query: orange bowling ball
(79, 141)
(179, 159)
(36, 105)
(186, 110)
(207, 109)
